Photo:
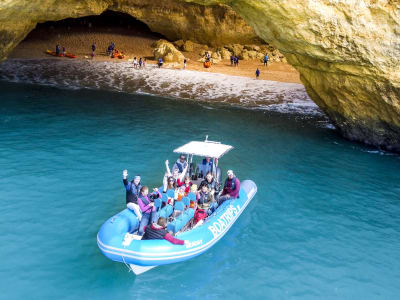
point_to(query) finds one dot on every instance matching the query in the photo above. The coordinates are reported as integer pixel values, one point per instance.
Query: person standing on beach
(135, 63)
(266, 58)
(160, 62)
(144, 62)
(63, 51)
(258, 73)
(140, 63)
(184, 63)
(232, 60)
(58, 49)
(93, 49)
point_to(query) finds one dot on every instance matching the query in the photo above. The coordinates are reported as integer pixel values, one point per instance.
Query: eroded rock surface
(347, 51)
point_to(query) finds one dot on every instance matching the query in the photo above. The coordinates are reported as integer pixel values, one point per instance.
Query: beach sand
(134, 39)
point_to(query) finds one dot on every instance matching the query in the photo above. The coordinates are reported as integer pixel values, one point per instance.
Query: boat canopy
(206, 148)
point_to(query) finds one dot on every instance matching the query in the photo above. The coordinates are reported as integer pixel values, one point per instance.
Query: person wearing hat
(132, 192)
(231, 188)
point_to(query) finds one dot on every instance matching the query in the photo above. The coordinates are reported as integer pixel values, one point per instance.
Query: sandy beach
(136, 41)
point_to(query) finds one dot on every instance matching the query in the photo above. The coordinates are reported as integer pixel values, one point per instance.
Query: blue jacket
(132, 191)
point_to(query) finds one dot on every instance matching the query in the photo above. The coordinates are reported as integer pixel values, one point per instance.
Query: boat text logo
(223, 221)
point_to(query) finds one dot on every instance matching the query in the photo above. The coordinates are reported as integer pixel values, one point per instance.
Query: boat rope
(129, 268)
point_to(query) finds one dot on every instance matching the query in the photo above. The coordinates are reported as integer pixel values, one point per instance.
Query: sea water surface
(324, 224)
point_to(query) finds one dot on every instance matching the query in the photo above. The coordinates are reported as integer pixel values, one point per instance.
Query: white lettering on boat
(189, 244)
(224, 220)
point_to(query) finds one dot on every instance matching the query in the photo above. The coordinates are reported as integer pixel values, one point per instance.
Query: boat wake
(184, 84)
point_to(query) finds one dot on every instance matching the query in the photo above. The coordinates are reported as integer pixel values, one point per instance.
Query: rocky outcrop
(168, 52)
(348, 56)
(347, 52)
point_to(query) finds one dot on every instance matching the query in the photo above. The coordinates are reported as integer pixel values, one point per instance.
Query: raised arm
(167, 168)
(183, 173)
(127, 184)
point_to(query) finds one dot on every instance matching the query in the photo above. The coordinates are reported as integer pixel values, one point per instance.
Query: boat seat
(166, 211)
(171, 193)
(157, 203)
(164, 198)
(186, 201)
(192, 196)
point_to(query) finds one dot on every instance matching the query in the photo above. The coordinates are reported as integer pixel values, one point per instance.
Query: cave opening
(77, 35)
(136, 39)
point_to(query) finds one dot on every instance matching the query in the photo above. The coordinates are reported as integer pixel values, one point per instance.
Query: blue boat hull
(161, 252)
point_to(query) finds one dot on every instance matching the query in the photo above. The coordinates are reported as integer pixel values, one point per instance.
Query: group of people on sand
(177, 184)
(234, 60)
(139, 64)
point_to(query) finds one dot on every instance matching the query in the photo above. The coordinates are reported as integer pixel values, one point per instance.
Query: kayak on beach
(118, 239)
(69, 55)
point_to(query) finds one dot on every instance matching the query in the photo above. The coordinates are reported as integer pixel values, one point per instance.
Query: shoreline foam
(184, 84)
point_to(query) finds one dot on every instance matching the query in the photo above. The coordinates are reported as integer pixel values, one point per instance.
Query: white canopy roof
(206, 148)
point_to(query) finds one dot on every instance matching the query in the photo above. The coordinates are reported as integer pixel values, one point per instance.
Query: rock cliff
(347, 51)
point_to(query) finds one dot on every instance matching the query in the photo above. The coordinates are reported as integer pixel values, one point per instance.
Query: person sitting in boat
(205, 200)
(180, 164)
(186, 184)
(175, 175)
(146, 204)
(210, 182)
(231, 188)
(207, 165)
(132, 192)
(157, 231)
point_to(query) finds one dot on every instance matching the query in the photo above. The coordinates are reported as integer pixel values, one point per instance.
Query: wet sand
(134, 41)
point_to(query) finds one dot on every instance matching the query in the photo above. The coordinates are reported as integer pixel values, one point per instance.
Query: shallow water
(324, 223)
(182, 84)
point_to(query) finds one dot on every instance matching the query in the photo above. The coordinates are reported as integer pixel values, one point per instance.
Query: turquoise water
(324, 223)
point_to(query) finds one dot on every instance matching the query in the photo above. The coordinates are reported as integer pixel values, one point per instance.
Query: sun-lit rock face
(347, 51)
(348, 55)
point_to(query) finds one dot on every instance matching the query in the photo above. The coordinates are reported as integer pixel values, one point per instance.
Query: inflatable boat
(117, 244)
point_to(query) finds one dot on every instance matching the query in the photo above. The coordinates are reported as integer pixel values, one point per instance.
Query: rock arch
(347, 51)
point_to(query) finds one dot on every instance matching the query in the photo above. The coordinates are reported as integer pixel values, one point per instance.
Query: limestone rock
(252, 47)
(216, 56)
(236, 49)
(179, 44)
(252, 54)
(244, 55)
(188, 46)
(223, 53)
(167, 52)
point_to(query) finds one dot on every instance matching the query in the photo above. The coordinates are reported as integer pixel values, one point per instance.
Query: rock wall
(214, 25)
(348, 55)
(347, 51)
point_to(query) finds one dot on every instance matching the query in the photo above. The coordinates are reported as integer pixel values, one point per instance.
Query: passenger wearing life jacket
(157, 231)
(147, 208)
(231, 188)
(206, 204)
(205, 199)
(210, 182)
(186, 184)
(180, 164)
(207, 165)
